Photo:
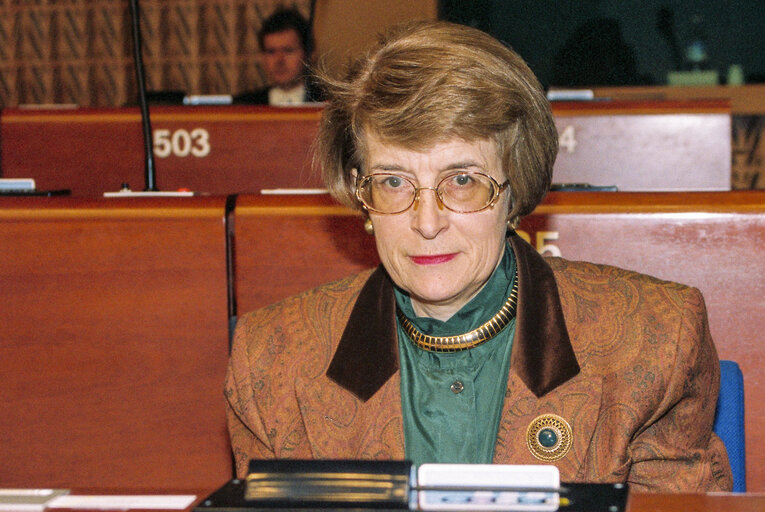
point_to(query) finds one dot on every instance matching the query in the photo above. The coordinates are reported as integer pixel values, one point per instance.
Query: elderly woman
(466, 345)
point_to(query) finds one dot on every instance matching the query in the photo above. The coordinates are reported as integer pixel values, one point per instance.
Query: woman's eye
(393, 182)
(462, 180)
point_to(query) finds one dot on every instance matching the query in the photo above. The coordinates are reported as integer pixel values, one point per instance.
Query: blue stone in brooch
(547, 437)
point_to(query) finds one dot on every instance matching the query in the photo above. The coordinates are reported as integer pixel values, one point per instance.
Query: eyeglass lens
(391, 193)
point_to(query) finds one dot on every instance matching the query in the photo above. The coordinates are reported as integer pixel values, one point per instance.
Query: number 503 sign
(181, 143)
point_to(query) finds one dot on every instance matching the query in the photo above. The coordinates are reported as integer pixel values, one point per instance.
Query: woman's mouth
(434, 259)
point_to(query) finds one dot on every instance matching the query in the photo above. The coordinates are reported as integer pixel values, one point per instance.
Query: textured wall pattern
(748, 152)
(81, 52)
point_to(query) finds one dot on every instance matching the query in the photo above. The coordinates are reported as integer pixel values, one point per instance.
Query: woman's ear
(512, 220)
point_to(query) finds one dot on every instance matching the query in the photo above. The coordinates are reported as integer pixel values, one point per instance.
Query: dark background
(620, 42)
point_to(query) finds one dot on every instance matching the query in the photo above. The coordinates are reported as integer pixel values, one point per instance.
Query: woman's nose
(429, 214)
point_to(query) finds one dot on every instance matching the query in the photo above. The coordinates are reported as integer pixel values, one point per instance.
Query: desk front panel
(708, 240)
(215, 150)
(288, 244)
(659, 147)
(753, 502)
(645, 502)
(238, 149)
(114, 343)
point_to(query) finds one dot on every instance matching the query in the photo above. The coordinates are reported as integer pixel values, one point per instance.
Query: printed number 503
(181, 143)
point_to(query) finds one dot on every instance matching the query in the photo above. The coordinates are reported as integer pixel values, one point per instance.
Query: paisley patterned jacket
(626, 360)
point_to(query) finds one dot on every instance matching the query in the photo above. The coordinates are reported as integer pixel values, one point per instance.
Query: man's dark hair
(288, 19)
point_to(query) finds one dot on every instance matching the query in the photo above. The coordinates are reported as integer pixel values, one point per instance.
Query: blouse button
(457, 387)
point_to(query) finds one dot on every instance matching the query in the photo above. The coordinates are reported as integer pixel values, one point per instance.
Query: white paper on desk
(293, 191)
(125, 502)
(27, 499)
(150, 193)
(486, 483)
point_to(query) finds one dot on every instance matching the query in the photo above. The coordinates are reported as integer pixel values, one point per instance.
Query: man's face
(283, 58)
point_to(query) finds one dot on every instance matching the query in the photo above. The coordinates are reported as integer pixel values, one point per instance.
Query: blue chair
(729, 420)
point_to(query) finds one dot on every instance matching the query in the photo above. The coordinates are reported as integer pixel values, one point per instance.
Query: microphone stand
(150, 189)
(141, 81)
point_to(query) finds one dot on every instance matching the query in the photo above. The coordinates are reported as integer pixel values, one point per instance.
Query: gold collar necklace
(470, 339)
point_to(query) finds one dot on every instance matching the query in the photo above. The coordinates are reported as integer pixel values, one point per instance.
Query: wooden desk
(645, 146)
(709, 240)
(216, 150)
(754, 502)
(287, 244)
(237, 149)
(748, 121)
(114, 343)
(744, 99)
(751, 502)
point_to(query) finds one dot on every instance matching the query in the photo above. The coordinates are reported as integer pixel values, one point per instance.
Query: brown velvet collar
(542, 355)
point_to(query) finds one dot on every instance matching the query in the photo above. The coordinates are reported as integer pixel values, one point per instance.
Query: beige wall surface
(343, 28)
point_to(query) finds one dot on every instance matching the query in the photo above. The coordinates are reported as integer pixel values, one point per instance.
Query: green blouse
(452, 402)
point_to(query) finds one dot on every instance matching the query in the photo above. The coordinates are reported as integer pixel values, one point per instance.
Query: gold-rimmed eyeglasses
(461, 192)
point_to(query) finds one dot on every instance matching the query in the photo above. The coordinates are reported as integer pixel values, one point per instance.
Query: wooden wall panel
(81, 51)
(336, 45)
(114, 342)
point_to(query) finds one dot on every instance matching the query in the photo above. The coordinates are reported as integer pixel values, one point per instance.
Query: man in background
(286, 44)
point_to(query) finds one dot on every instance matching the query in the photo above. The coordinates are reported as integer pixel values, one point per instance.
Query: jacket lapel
(542, 355)
(354, 411)
(367, 355)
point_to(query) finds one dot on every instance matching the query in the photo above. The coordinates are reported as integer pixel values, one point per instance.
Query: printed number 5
(543, 237)
(542, 241)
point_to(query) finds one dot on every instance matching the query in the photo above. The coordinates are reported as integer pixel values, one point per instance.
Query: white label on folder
(124, 502)
(488, 487)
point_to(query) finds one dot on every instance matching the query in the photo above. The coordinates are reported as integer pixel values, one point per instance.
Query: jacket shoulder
(345, 289)
(300, 323)
(648, 340)
(616, 316)
(608, 277)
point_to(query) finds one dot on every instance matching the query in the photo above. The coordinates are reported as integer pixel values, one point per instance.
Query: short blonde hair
(429, 82)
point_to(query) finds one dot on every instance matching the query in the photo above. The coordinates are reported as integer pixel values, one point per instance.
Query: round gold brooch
(549, 437)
